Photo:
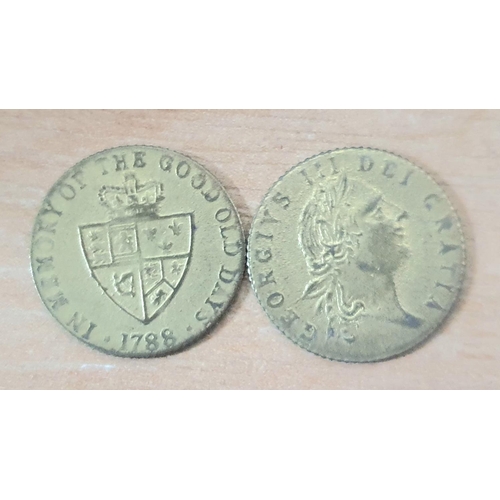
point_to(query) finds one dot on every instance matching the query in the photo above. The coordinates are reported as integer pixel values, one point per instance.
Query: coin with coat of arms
(137, 251)
(356, 255)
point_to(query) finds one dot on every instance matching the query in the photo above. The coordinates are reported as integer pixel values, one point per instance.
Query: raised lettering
(227, 276)
(76, 176)
(365, 163)
(42, 225)
(225, 229)
(76, 322)
(47, 208)
(288, 318)
(445, 223)
(49, 282)
(264, 279)
(452, 269)
(198, 180)
(216, 306)
(263, 255)
(67, 191)
(431, 200)
(310, 334)
(281, 200)
(259, 235)
(139, 159)
(223, 215)
(304, 173)
(211, 195)
(267, 218)
(45, 264)
(200, 317)
(275, 300)
(445, 248)
(121, 164)
(447, 287)
(183, 169)
(405, 180)
(166, 163)
(44, 241)
(318, 168)
(431, 303)
(390, 169)
(57, 301)
(232, 248)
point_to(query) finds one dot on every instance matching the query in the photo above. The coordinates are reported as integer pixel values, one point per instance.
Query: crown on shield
(132, 198)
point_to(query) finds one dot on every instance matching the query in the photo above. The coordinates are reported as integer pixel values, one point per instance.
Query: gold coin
(356, 255)
(137, 251)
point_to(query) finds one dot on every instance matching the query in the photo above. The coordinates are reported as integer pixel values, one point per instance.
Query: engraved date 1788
(133, 244)
(152, 342)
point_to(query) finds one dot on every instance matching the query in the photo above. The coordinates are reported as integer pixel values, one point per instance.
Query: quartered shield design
(139, 263)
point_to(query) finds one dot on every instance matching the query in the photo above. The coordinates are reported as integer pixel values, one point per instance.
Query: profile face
(354, 241)
(382, 233)
(371, 255)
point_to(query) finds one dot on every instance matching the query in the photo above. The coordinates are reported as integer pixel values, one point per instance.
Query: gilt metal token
(137, 251)
(356, 255)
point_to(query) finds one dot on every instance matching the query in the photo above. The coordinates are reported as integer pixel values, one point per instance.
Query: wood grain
(248, 151)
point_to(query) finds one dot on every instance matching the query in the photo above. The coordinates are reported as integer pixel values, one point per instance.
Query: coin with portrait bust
(137, 251)
(356, 255)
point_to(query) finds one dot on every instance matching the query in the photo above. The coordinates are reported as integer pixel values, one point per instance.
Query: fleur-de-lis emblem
(150, 233)
(152, 272)
(176, 268)
(164, 245)
(158, 297)
(176, 228)
(138, 258)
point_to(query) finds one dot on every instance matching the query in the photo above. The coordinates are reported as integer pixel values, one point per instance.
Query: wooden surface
(248, 151)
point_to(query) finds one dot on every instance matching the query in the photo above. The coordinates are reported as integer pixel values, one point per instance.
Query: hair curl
(328, 238)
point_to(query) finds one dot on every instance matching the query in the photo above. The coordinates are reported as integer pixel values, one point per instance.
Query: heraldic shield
(139, 262)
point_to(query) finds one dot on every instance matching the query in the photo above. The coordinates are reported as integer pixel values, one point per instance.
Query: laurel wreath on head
(327, 243)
